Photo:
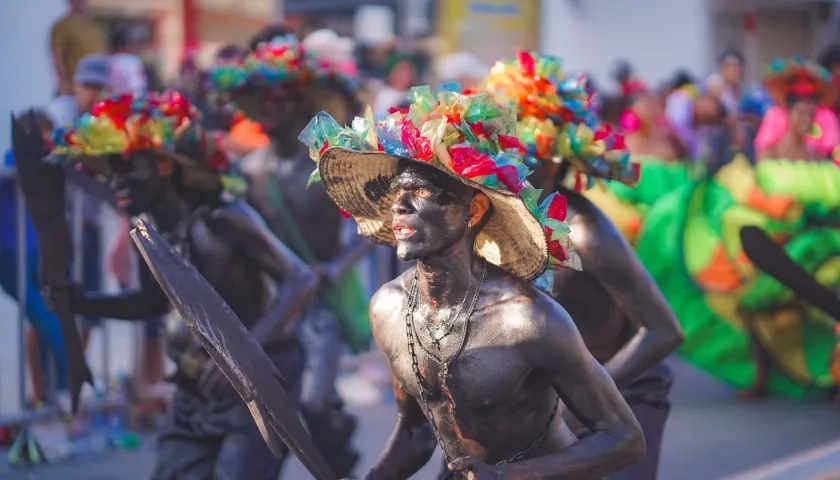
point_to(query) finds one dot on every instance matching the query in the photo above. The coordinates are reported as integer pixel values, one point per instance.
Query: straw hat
(467, 137)
(164, 124)
(799, 76)
(285, 67)
(558, 119)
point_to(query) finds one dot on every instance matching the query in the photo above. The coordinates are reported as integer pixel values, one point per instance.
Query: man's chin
(407, 252)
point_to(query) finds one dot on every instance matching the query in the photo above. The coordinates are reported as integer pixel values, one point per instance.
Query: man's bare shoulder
(388, 300)
(526, 313)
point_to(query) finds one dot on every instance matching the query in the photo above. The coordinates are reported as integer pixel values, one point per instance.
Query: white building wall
(656, 36)
(28, 80)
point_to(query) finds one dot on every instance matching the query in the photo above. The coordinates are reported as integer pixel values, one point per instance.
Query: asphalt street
(710, 435)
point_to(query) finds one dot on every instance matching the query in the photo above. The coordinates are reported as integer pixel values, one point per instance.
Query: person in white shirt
(128, 74)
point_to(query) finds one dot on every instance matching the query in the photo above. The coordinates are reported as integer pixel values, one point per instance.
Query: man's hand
(476, 469)
(213, 383)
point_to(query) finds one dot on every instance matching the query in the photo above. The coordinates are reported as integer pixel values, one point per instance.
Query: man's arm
(615, 266)
(412, 443)
(556, 349)
(337, 267)
(148, 301)
(242, 227)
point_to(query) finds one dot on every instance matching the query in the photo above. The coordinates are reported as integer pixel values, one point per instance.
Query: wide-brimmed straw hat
(470, 139)
(801, 77)
(165, 125)
(279, 68)
(558, 119)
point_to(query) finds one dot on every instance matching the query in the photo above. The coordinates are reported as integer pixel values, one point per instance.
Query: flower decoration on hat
(558, 119)
(127, 123)
(281, 61)
(165, 122)
(799, 77)
(467, 136)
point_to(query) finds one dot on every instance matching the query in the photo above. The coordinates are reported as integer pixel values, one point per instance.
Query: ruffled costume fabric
(471, 138)
(690, 243)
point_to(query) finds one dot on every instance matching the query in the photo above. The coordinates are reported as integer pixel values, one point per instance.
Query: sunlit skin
(521, 351)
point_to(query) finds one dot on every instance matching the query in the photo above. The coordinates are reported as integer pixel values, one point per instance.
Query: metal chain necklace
(438, 356)
(443, 329)
(423, 389)
(444, 371)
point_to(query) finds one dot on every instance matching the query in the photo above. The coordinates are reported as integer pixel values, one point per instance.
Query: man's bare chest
(485, 373)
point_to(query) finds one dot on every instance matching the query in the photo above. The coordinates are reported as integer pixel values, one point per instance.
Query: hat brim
(360, 184)
(336, 97)
(195, 174)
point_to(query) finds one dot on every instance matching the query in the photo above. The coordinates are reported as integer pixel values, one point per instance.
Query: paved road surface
(709, 436)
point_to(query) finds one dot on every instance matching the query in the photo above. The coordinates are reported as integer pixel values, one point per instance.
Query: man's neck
(445, 279)
(169, 210)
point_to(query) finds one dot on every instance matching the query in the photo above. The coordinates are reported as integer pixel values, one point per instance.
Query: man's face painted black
(429, 211)
(136, 181)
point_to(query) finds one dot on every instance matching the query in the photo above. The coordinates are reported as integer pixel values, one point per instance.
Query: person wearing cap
(183, 182)
(480, 356)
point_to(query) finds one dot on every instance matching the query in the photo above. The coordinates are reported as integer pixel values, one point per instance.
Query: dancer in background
(623, 318)
(742, 326)
(182, 186)
(282, 85)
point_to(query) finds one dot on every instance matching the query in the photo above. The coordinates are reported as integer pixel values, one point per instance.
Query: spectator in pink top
(804, 94)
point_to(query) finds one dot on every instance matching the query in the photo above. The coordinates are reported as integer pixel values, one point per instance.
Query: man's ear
(479, 206)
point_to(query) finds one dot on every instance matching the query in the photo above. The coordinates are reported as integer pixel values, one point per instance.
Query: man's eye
(423, 193)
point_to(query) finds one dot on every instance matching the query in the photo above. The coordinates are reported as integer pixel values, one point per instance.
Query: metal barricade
(24, 414)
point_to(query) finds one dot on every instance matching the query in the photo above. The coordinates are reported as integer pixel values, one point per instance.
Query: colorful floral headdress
(558, 119)
(126, 123)
(165, 122)
(801, 77)
(467, 136)
(281, 61)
